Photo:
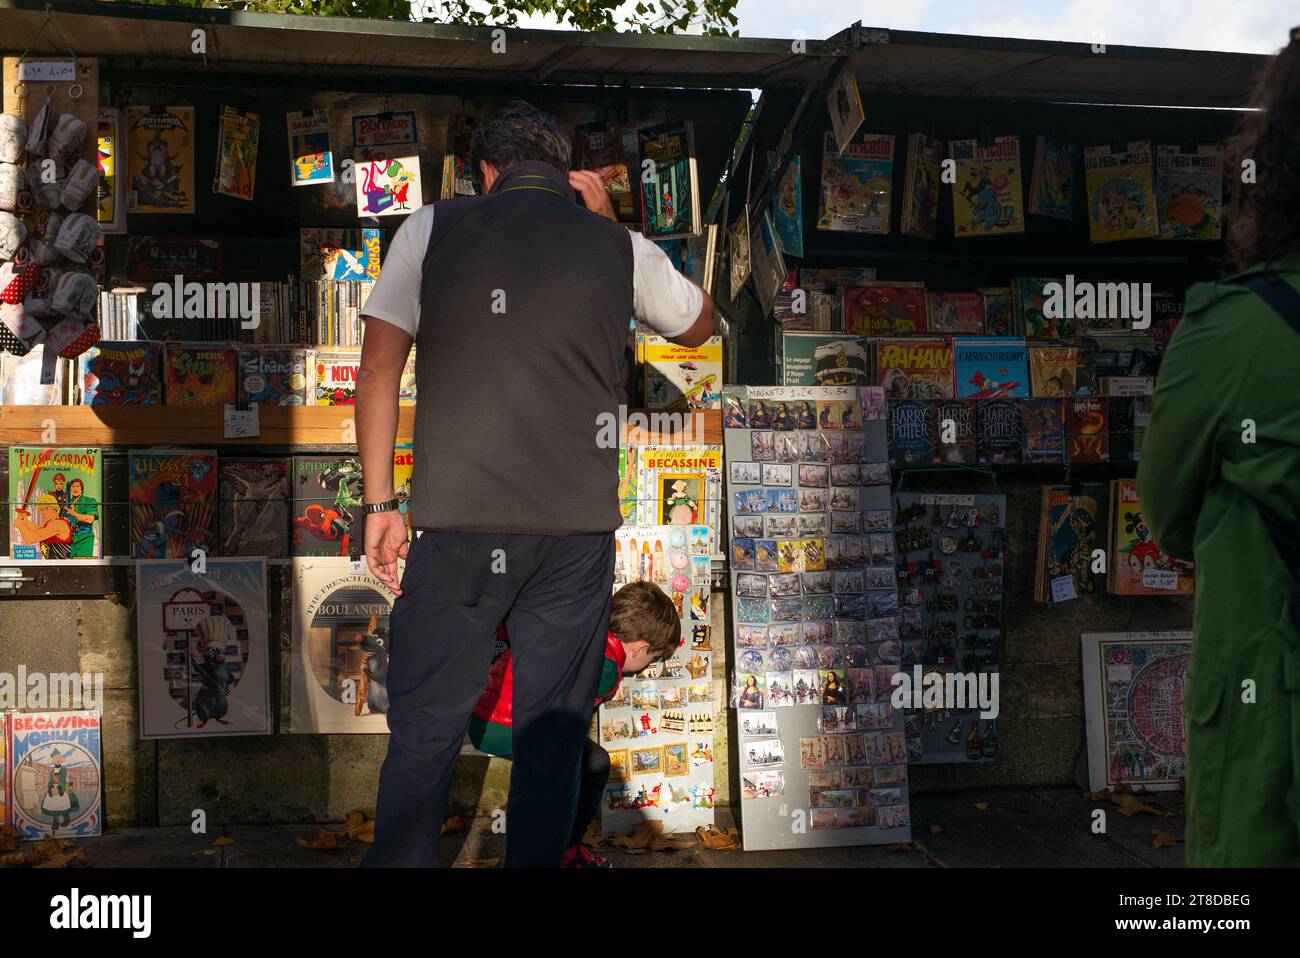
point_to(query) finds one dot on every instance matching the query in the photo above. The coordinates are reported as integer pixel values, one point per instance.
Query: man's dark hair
(517, 132)
(642, 612)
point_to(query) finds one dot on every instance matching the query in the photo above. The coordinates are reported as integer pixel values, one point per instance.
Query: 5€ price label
(241, 423)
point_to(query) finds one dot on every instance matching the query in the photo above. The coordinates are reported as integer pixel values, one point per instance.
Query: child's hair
(642, 612)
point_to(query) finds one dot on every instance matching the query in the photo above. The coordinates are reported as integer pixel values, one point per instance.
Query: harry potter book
(1088, 429)
(955, 431)
(911, 432)
(1001, 431)
(1044, 430)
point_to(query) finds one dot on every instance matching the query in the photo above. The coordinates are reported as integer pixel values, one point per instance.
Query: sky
(1243, 26)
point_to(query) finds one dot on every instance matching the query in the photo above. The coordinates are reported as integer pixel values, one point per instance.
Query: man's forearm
(377, 412)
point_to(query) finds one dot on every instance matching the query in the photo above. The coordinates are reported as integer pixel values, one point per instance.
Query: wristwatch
(371, 507)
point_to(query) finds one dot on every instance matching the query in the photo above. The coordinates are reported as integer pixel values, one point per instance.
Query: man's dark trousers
(553, 593)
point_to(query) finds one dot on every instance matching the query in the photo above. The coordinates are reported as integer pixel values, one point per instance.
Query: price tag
(41, 71)
(241, 423)
(1160, 579)
(1063, 588)
(357, 564)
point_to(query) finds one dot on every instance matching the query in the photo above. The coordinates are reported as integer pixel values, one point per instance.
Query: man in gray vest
(519, 303)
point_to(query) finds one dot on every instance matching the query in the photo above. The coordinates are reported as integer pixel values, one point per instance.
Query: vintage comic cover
(338, 664)
(884, 309)
(326, 493)
(311, 160)
(738, 253)
(173, 501)
(954, 431)
(459, 178)
(1000, 429)
(1088, 429)
(911, 432)
(125, 373)
(336, 377)
(1133, 690)
(1069, 530)
(1121, 195)
(823, 359)
(920, 215)
(856, 185)
(406, 386)
(681, 378)
(1044, 421)
(991, 367)
(253, 517)
(910, 368)
(1051, 189)
(328, 252)
(403, 470)
(959, 313)
(387, 185)
(987, 196)
(110, 207)
(160, 159)
(392, 128)
(658, 726)
(1029, 296)
(681, 485)
(1138, 566)
(6, 793)
(767, 266)
(787, 210)
(200, 374)
(598, 147)
(274, 375)
(670, 195)
(236, 167)
(999, 312)
(56, 767)
(627, 484)
(1052, 370)
(56, 498)
(203, 652)
(1189, 192)
(844, 104)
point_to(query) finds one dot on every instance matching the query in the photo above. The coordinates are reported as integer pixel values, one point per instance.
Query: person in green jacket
(1222, 452)
(82, 512)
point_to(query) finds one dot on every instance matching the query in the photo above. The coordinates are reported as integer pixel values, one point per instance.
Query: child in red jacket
(644, 628)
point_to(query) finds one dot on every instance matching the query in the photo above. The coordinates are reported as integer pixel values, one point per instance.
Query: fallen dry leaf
(479, 863)
(208, 851)
(223, 840)
(901, 847)
(365, 833)
(1122, 788)
(324, 841)
(1101, 796)
(9, 839)
(1130, 805)
(982, 806)
(936, 829)
(75, 859)
(710, 837)
(354, 821)
(595, 836)
(1164, 839)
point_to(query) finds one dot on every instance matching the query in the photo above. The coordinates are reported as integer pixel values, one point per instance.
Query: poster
(110, 209)
(55, 765)
(387, 186)
(236, 168)
(815, 605)
(1133, 689)
(311, 160)
(658, 727)
(339, 657)
(55, 501)
(160, 159)
(328, 252)
(203, 655)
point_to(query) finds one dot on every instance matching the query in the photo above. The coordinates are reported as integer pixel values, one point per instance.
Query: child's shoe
(580, 856)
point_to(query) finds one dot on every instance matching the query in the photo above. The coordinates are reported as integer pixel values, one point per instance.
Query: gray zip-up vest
(524, 309)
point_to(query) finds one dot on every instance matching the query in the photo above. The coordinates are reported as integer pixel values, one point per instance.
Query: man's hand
(385, 534)
(591, 188)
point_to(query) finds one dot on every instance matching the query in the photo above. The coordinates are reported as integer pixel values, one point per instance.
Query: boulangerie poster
(160, 159)
(311, 160)
(387, 186)
(203, 655)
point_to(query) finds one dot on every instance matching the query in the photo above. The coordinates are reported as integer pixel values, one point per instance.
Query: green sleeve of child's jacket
(609, 679)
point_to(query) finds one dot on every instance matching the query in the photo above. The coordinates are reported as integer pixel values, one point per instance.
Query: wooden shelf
(280, 426)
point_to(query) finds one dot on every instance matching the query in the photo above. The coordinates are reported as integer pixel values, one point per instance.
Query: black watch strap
(371, 507)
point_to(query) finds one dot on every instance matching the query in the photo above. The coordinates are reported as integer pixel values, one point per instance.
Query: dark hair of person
(1263, 217)
(518, 132)
(642, 612)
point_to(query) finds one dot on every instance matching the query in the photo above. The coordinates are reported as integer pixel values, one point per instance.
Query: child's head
(642, 617)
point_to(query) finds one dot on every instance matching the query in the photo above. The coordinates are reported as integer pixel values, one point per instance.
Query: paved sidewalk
(1017, 827)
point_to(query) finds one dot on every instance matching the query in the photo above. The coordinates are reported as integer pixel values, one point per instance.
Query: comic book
(1138, 566)
(787, 210)
(911, 432)
(914, 368)
(767, 266)
(1051, 189)
(160, 159)
(275, 375)
(6, 794)
(328, 252)
(406, 386)
(999, 312)
(336, 671)
(991, 367)
(987, 196)
(326, 508)
(670, 196)
(335, 381)
(1189, 192)
(388, 184)
(1166, 314)
(960, 313)
(1052, 370)
(856, 184)
(681, 485)
(1028, 295)
(235, 172)
(311, 160)
(738, 253)
(403, 470)
(1068, 531)
(823, 359)
(110, 209)
(599, 147)
(834, 277)
(203, 654)
(253, 518)
(125, 373)
(459, 178)
(658, 726)
(1121, 195)
(173, 502)
(1044, 422)
(56, 767)
(920, 213)
(884, 309)
(627, 484)
(1088, 429)
(700, 257)
(680, 378)
(200, 374)
(56, 499)
(844, 105)
(1000, 431)
(955, 431)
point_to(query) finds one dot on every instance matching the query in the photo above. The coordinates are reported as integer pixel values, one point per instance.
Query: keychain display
(815, 603)
(951, 550)
(658, 728)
